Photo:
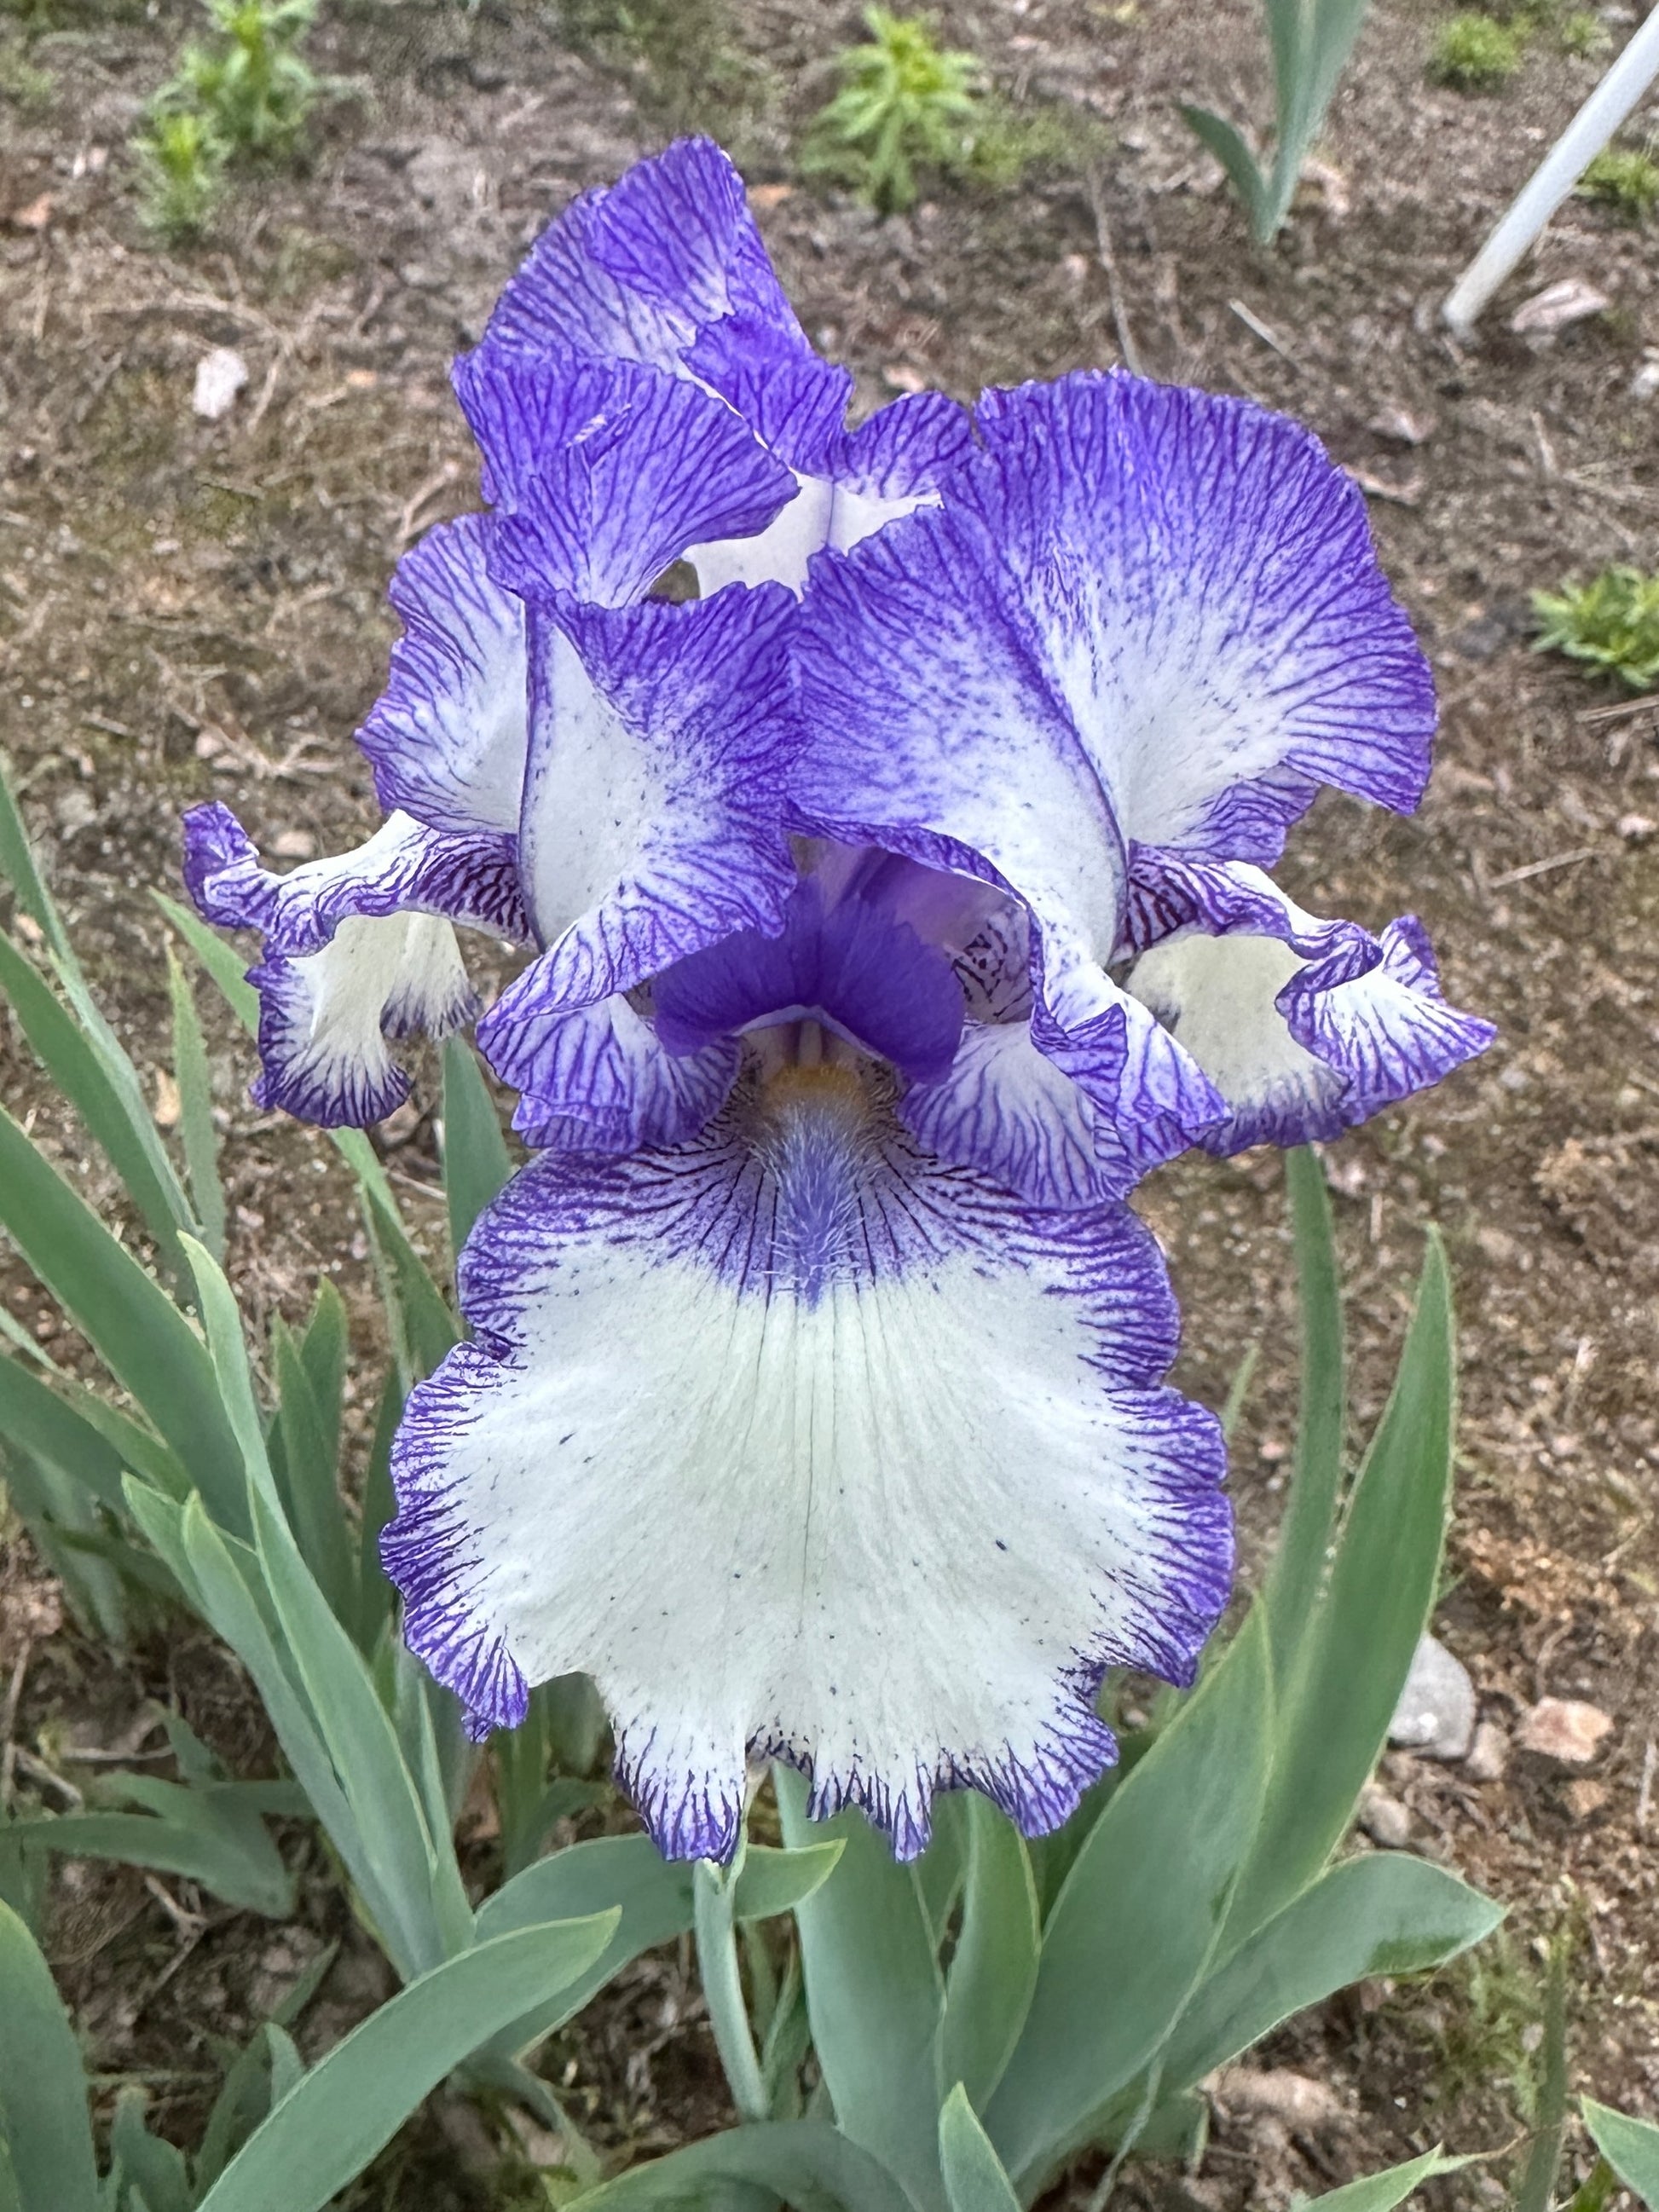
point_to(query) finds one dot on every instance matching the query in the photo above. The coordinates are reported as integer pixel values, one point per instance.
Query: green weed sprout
(1583, 32)
(1625, 179)
(903, 104)
(1473, 54)
(21, 80)
(182, 163)
(1610, 623)
(1310, 41)
(254, 87)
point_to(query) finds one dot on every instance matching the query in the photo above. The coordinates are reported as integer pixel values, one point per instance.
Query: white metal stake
(1556, 174)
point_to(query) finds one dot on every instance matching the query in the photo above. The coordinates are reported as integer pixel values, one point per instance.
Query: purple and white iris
(892, 907)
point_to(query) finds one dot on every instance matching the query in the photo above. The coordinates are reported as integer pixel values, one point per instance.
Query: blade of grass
(1537, 2189)
(196, 1131)
(44, 2125)
(476, 1162)
(137, 1331)
(352, 2102)
(1298, 1567)
(127, 1139)
(17, 866)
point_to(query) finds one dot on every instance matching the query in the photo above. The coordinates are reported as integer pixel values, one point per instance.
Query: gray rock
(1489, 1754)
(1384, 1818)
(1436, 1712)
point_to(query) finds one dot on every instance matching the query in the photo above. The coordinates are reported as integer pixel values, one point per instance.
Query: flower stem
(714, 1896)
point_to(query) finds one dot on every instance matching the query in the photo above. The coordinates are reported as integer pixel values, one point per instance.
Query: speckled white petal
(802, 1444)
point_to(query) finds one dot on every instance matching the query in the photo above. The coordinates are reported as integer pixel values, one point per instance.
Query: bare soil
(190, 610)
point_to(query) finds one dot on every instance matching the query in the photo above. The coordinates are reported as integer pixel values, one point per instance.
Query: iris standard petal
(664, 277)
(1143, 614)
(603, 477)
(653, 812)
(925, 733)
(1138, 600)
(597, 1079)
(1197, 580)
(852, 484)
(638, 269)
(1306, 1027)
(805, 1445)
(448, 737)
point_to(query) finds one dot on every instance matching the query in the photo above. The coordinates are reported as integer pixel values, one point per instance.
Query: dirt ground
(190, 610)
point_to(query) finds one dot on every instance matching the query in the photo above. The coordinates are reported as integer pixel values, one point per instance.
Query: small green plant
(1610, 623)
(182, 164)
(1310, 41)
(1472, 53)
(1582, 33)
(1485, 2028)
(253, 85)
(245, 96)
(683, 60)
(20, 81)
(903, 104)
(1625, 179)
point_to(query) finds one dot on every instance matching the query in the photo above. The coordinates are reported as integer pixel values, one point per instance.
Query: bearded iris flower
(892, 907)
(1108, 673)
(643, 395)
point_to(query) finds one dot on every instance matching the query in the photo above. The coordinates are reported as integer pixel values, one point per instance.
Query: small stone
(219, 375)
(1278, 2093)
(1636, 828)
(1565, 1729)
(1584, 1797)
(168, 1105)
(1384, 1818)
(1401, 428)
(1489, 1754)
(1436, 1712)
(905, 376)
(294, 845)
(1551, 310)
(400, 1125)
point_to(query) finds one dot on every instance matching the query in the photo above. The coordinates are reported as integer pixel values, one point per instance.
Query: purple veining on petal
(448, 739)
(871, 978)
(653, 823)
(1389, 1033)
(794, 403)
(913, 444)
(404, 867)
(1243, 628)
(603, 477)
(597, 1079)
(1008, 1109)
(578, 1267)
(1306, 1026)
(636, 270)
